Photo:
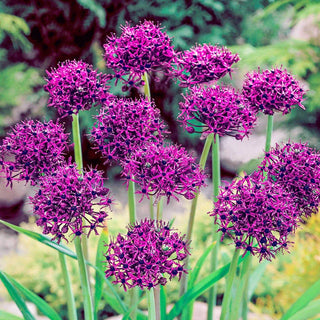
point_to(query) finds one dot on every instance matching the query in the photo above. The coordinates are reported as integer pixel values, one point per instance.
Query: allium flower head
(32, 148)
(164, 171)
(70, 202)
(203, 63)
(271, 91)
(124, 125)
(148, 255)
(139, 49)
(296, 167)
(250, 211)
(74, 86)
(218, 110)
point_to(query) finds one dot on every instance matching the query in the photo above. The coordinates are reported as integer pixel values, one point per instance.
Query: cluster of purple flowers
(125, 125)
(202, 64)
(164, 171)
(66, 202)
(147, 255)
(139, 49)
(295, 166)
(218, 110)
(75, 86)
(252, 211)
(272, 91)
(32, 149)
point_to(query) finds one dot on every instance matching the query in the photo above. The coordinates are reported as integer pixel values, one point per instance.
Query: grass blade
(16, 297)
(311, 310)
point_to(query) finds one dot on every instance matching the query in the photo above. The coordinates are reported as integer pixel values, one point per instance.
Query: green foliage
(96, 9)
(16, 28)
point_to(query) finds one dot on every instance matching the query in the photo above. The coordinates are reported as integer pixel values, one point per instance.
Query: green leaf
(96, 9)
(311, 310)
(255, 277)
(199, 288)
(163, 303)
(8, 316)
(16, 297)
(99, 264)
(65, 250)
(197, 268)
(303, 301)
(42, 305)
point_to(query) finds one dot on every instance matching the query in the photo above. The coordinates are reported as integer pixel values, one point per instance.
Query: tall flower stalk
(216, 180)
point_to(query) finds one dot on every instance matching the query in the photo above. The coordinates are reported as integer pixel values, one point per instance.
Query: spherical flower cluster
(218, 110)
(68, 201)
(164, 171)
(203, 63)
(124, 125)
(252, 211)
(75, 86)
(296, 167)
(272, 91)
(147, 255)
(139, 49)
(31, 149)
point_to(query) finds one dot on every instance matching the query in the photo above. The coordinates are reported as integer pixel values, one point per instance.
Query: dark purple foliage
(296, 167)
(139, 49)
(68, 201)
(218, 110)
(203, 63)
(147, 256)
(31, 149)
(74, 86)
(256, 212)
(164, 171)
(124, 125)
(271, 91)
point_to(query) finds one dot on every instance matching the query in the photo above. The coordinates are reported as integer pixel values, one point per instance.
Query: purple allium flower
(218, 110)
(296, 167)
(147, 255)
(68, 201)
(125, 125)
(75, 86)
(272, 90)
(164, 171)
(203, 63)
(253, 211)
(139, 49)
(31, 149)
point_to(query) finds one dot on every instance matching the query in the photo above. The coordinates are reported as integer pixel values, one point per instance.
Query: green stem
(146, 87)
(77, 141)
(157, 302)
(72, 310)
(151, 207)
(202, 163)
(151, 305)
(245, 301)
(269, 133)
(216, 181)
(242, 292)
(134, 293)
(87, 300)
(132, 202)
(159, 209)
(229, 280)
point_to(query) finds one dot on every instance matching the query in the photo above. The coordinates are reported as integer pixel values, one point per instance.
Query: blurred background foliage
(36, 34)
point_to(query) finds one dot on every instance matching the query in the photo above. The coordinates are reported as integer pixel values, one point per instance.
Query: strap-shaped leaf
(8, 316)
(42, 305)
(199, 288)
(303, 301)
(16, 297)
(311, 310)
